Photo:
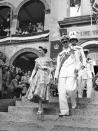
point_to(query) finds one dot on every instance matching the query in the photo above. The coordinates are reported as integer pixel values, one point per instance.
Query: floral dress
(40, 80)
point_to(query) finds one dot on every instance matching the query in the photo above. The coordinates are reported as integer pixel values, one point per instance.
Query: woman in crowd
(40, 79)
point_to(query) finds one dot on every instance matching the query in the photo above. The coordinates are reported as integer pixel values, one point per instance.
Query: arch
(25, 1)
(5, 55)
(95, 42)
(35, 51)
(92, 45)
(8, 4)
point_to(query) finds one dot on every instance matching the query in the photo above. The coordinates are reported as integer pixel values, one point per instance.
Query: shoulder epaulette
(78, 47)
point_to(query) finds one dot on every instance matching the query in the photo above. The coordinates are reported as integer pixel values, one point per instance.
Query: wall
(59, 11)
(86, 7)
(10, 50)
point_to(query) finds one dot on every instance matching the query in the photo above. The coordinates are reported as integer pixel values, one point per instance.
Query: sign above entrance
(85, 31)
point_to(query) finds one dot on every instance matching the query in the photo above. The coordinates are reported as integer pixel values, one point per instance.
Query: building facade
(57, 16)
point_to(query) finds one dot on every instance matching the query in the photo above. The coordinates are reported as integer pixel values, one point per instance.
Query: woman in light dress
(40, 79)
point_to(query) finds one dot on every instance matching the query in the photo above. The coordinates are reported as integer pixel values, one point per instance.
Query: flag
(95, 7)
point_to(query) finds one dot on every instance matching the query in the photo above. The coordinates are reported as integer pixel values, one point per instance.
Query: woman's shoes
(40, 115)
(39, 112)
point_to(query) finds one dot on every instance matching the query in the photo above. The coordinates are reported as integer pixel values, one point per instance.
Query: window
(75, 8)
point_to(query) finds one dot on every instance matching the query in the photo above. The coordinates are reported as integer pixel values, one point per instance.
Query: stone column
(14, 25)
(54, 30)
(47, 21)
(1, 63)
(59, 11)
(86, 8)
(0, 79)
(63, 9)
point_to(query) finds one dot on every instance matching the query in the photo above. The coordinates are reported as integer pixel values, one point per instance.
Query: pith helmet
(73, 35)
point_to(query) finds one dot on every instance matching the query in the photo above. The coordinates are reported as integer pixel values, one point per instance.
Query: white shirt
(69, 66)
(88, 70)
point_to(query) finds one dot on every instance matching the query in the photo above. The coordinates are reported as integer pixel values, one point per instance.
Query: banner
(24, 38)
(56, 47)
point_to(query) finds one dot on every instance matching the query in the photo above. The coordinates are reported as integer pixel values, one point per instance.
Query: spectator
(95, 82)
(39, 27)
(9, 76)
(4, 76)
(30, 28)
(15, 87)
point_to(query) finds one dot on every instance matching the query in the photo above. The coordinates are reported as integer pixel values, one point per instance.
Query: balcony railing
(36, 36)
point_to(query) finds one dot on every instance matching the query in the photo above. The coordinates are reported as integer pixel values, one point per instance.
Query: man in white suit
(82, 59)
(66, 76)
(87, 75)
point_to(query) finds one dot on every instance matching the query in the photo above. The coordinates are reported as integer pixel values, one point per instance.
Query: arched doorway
(30, 14)
(4, 20)
(93, 52)
(25, 59)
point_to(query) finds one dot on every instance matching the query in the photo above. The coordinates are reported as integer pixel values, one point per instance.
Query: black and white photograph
(48, 65)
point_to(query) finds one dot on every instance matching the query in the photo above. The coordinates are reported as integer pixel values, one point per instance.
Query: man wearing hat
(65, 76)
(74, 43)
(82, 59)
(87, 75)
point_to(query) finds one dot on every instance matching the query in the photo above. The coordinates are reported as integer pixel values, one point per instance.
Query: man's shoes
(63, 115)
(79, 96)
(74, 106)
(40, 112)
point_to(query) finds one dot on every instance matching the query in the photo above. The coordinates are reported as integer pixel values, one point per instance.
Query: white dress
(40, 79)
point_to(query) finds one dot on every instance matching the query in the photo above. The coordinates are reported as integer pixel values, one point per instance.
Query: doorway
(25, 61)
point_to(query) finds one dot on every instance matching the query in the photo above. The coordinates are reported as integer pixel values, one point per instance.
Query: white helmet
(73, 35)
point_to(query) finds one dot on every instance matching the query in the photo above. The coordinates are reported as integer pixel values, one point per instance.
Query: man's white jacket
(70, 65)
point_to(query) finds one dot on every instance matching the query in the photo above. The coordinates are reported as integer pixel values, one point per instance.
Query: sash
(64, 57)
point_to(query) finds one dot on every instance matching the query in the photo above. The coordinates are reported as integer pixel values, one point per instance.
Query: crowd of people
(73, 73)
(15, 82)
(26, 28)
(30, 28)
(2, 30)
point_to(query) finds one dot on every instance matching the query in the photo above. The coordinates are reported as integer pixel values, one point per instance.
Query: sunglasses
(65, 42)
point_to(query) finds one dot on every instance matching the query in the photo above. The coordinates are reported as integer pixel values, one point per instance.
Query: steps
(84, 118)
(85, 108)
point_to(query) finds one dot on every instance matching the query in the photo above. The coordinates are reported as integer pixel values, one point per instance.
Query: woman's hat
(43, 48)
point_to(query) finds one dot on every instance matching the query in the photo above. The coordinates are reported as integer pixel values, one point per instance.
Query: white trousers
(80, 87)
(88, 84)
(66, 87)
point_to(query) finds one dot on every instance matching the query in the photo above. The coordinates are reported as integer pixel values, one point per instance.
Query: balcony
(24, 38)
